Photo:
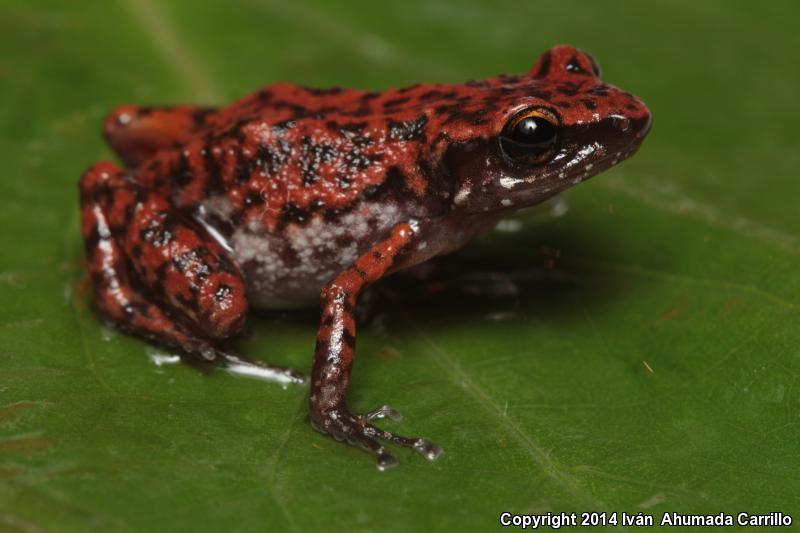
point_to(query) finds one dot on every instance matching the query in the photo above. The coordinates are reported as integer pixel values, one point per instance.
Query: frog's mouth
(492, 183)
(573, 164)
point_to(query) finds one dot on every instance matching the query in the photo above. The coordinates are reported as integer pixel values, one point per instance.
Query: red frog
(293, 194)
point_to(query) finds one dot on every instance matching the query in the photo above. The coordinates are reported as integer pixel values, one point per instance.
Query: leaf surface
(648, 362)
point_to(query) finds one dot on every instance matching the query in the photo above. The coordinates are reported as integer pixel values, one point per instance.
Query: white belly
(289, 270)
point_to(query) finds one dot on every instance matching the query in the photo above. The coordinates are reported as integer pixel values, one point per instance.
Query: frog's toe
(384, 411)
(245, 366)
(385, 461)
(429, 450)
(356, 429)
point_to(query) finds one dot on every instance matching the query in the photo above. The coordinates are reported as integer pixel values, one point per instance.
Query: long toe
(245, 366)
(356, 429)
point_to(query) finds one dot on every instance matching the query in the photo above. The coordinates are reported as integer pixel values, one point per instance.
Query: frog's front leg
(158, 276)
(335, 350)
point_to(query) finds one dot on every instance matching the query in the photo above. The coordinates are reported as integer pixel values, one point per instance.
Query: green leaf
(649, 361)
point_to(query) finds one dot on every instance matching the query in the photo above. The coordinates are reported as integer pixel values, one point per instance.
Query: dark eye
(530, 137)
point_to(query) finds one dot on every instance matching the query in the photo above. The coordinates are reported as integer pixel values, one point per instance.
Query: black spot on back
(360, 112)
(280, 128)
(253, 198)
(264, 95)
(213, 170)
(353, 127)
(408, 88)
(395, 102)
(408, 130)
(183, 172)
(243, 168)
(568, 89)
(291, 213)
(436, 94)
(199, 116)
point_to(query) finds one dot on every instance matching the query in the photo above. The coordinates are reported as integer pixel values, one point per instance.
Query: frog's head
(540, 133)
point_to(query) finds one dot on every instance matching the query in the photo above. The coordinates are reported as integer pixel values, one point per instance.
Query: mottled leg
(136, 133)
(333, 357)
(157, 276)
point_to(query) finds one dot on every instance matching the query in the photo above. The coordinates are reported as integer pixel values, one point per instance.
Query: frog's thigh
(172, 262)
(115, 297)
(136, 133)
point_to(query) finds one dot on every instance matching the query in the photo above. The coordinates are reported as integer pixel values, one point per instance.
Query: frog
(294, 196)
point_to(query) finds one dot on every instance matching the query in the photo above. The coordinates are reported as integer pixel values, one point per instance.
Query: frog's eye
(530, 136)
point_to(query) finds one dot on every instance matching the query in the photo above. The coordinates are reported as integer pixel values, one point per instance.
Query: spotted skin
(335, 351)
(294, 193)
(157, 276)
(115, 296)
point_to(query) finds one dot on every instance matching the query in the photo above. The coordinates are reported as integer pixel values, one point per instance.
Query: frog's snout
(644, 124)
(635, 126)
(630, 118)
(640, 118)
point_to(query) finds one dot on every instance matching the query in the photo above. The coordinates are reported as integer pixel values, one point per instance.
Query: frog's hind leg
(136, 133)
(159, 277)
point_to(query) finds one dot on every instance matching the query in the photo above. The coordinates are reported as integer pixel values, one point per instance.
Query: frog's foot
(356, 429)
(157, 276)
(245, 366)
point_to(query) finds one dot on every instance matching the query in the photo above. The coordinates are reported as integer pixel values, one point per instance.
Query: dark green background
(683, 259)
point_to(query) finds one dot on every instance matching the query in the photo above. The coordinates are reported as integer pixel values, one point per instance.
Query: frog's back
(300, 182)
(296, 182)
(280, 102)
(287, 154)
